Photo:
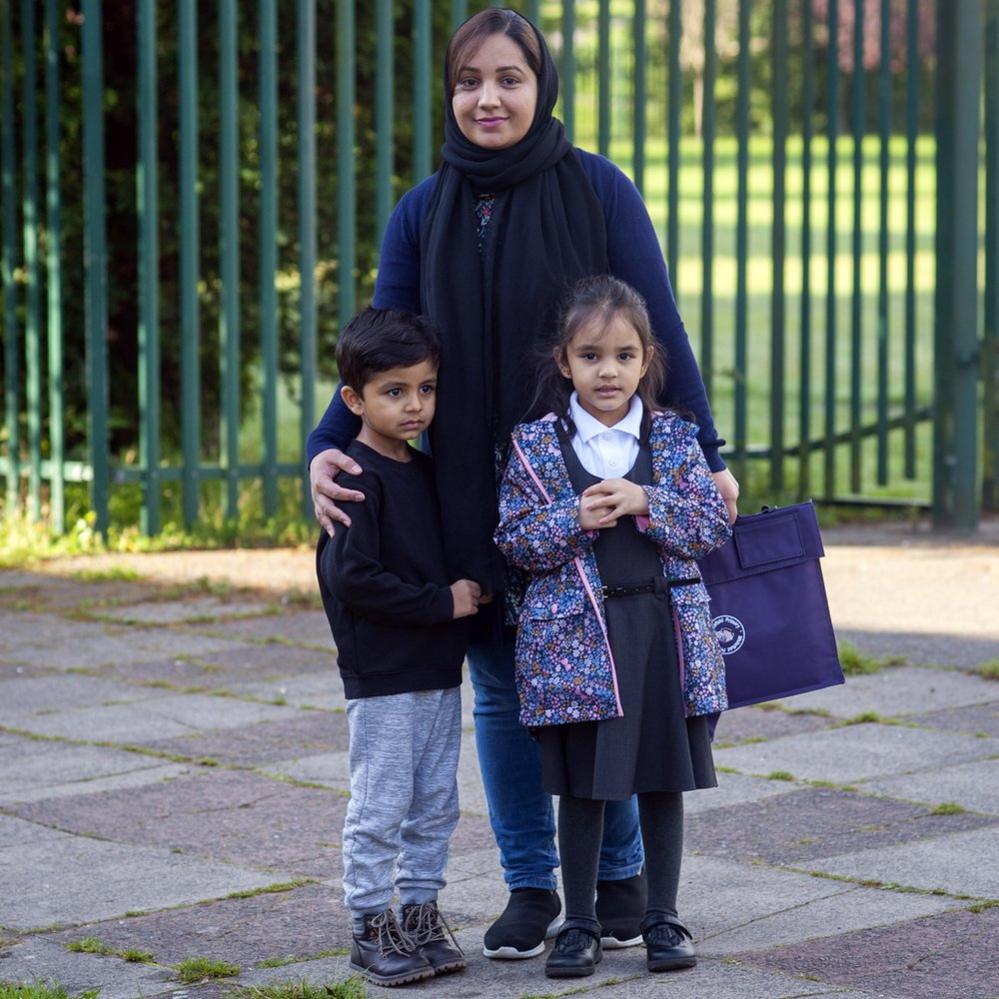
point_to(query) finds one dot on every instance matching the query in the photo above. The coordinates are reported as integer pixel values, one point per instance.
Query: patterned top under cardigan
(564, 663)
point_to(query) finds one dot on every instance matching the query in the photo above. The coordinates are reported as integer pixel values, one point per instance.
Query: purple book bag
(769, 608)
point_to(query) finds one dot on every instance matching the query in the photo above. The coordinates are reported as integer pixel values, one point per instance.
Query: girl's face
(495, 94)
(605, 361)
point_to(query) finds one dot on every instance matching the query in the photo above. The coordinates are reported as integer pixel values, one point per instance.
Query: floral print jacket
(564, 663)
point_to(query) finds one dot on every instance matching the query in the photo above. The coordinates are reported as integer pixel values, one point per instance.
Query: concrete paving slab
(954, 863)
(308, 627)
(32, 769)
(15, 832)
(78, 880)
(109, 644)
(195, 610)
(471, 793)
(971, 785)
(719, 895)
(305, 921)
(981, 718)
(27, 695)
(732, 789)
(41, 957)
(159, 717)
(901, 690)
(757, 723)
(320, 690)
(261, 744)
(795, 828)
(856, 752)
(946, 647)
(236, 816)
(853, 909)
(949, 956)
(715, 979)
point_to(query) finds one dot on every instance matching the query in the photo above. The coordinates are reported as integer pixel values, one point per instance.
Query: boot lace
(391, 938)
(425, 925)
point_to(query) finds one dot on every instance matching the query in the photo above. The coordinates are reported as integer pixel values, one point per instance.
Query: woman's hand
(323, 471)
(729, 489)
(604, 503)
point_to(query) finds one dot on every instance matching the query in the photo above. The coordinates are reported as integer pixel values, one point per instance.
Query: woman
(486, 248)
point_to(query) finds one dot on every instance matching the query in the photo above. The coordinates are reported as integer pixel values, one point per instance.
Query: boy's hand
(606, 502)
(466, 594)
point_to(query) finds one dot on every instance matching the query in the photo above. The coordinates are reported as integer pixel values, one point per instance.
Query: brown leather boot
(425, 926)
(385, 955)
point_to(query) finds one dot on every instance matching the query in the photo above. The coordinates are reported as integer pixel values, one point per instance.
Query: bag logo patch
(730, 633)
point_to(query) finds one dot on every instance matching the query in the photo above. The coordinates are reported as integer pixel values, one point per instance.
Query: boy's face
(395, 406)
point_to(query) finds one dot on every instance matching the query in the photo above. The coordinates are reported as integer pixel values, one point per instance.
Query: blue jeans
(520, 811)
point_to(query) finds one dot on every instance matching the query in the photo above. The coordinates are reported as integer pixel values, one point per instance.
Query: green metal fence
(823, 240)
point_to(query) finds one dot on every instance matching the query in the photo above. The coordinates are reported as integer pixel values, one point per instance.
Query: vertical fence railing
(803, 374)
(8, 261)
(229, 314)
(53, 264)
(990, 340)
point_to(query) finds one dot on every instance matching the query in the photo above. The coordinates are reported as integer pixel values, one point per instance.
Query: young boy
(395, 621)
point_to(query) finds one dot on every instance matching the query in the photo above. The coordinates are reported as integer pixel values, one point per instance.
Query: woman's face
(495, 93)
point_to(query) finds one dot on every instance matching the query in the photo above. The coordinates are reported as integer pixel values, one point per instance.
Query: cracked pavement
(173, 779)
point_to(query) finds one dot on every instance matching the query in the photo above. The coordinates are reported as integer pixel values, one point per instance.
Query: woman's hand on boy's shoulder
(323, 470)
(604, 503)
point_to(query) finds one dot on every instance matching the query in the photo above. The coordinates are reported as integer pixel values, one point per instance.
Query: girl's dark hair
(598, 299)
(491, 21)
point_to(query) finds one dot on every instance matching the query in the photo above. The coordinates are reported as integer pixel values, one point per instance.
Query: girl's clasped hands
(604, 503)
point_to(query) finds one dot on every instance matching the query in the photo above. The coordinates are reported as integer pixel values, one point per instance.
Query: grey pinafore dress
(653, 747)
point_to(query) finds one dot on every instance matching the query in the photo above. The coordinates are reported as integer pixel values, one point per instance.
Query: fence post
(956, 349)
(990, 365)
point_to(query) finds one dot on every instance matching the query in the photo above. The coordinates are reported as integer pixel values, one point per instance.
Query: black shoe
(425, 926)
(385, 955)
(524, 926)
(668, 945)
(576, 953)
(620, 907)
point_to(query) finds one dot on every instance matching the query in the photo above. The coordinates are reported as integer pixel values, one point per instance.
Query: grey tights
(580, 830)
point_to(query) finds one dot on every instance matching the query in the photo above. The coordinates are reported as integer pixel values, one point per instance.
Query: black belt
(658, 585)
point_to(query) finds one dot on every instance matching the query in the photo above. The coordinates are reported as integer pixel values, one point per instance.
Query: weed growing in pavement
(349, 988)
(857, 663)
(280, 962)
(110, 574)
(779, 775)
(198, 969)
(41, 990)
(271, 889)
(89, 945)
(989, 670)
(864, 717)
(948, 808)
(989, 903)
(136, 956)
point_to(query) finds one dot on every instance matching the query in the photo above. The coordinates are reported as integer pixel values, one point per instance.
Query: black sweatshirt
(384, 584)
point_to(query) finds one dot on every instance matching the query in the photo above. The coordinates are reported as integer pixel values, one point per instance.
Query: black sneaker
(576, 953)
(425, 926)
(529, 918)
(668, 945)
(385, 955)
(620, 908)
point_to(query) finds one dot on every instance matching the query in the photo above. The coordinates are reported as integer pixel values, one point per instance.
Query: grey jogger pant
(403, 796)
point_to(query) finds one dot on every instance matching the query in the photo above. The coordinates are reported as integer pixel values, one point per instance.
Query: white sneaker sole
(612, 943)
(512, 954)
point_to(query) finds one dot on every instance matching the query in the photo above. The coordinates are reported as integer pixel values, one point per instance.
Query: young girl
(606, 502)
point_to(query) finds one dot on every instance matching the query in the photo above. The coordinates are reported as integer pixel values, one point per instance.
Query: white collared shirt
(608, 452)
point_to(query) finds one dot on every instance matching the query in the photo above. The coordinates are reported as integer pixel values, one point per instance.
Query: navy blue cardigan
(635, 257)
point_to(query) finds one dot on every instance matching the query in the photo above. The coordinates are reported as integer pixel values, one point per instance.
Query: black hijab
(495, 308)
